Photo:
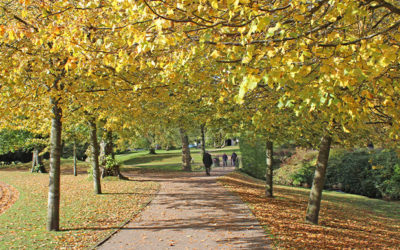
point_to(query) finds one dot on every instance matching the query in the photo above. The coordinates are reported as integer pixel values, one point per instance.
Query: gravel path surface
(191, 211)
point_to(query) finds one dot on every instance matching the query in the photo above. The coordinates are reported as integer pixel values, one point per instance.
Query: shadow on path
(191, 211)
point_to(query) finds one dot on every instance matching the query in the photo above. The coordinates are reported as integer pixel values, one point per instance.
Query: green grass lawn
(168, 160)
(85, 218)
(163, 160)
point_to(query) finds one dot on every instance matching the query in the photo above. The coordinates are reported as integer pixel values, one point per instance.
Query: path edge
(233, 193)
(133, 216)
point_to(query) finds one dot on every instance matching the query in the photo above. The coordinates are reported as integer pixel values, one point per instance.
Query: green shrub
(365, 172)
(349, 171)
(298, 170)
(304, 176)
(373, 173)
(111, 163)
(386, 171)
(253, 156)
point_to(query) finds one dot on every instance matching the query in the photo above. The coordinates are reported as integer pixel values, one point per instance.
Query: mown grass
(167, 160)
(85, 217)
(346, 220)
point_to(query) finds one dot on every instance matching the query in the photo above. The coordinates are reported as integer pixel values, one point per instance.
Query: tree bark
(186, 158)
(314, 202)
(106, 148)
(152, 151)
(95, 156)
(53, 208)
(74, 156)
(269, 170)
(203, 140)
(35, 158)
(37, 162)
(109, 149)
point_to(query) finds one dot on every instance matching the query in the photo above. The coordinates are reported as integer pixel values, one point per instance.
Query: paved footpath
(191, 211)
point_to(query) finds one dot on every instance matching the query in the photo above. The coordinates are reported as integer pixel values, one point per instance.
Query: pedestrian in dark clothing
(207, 160)
(224, 160)
(233, 158)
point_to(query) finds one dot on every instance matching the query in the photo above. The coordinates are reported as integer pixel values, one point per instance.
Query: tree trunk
(35, 159)
(203, 140)
(74, 156)
(152, 151)
(53, 208)
(186, 158)
(314, 202)
(109, 149)
(106, 148)
(269, 170)
(95, 156)
(37, 162)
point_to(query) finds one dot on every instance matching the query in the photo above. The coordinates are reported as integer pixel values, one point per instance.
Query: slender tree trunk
(53, 208)
(109, 149)
(35, 159)
(95, 156)
(203, 140)
(186, 158)
(106, 148)
(314, 202)
(74, 156)
(269, 170)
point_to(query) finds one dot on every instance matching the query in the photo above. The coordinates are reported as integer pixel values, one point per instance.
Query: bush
(373, 173)
(304, 176)
(386, 170)
(298, 170)
(111, 163)
(350, 171)
(253, 156)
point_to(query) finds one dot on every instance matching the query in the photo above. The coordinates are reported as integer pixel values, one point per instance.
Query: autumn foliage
(347, 221)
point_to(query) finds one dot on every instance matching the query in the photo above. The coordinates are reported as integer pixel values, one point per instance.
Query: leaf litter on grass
(85, 218)
(344, 223)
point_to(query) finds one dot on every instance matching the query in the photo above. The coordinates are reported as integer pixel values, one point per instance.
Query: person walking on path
(224, 160)
(233, 159)
(207, 160)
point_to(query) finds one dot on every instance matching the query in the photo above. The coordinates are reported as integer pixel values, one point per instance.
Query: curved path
(191, 211)
(8, 196)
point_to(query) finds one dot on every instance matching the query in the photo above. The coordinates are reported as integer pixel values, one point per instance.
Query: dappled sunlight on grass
(346, 221)
(85, 218)
(166, 160)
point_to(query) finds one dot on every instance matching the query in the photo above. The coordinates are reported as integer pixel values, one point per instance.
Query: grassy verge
(346, 221)
(85, 217)
(167, 160)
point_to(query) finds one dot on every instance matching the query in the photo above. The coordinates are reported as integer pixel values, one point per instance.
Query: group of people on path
(208, 161)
